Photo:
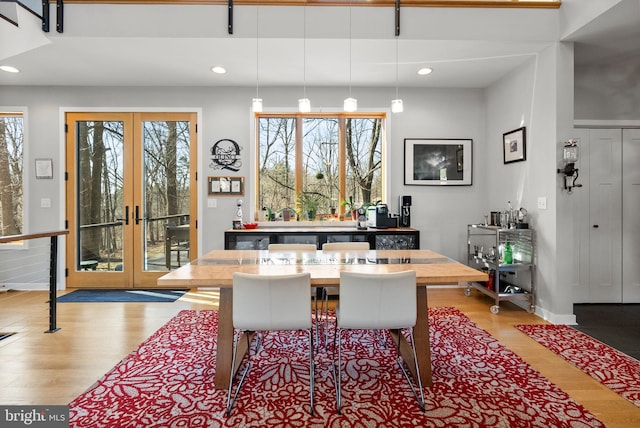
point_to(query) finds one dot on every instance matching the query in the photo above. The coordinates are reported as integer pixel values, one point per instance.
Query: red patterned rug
(614, 369)
(168, 382)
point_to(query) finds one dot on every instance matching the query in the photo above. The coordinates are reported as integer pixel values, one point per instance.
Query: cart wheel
(467, 292)
(531, 309)
(494, 309)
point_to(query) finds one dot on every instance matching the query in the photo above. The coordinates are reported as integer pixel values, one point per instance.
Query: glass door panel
(98, 207)
(166, 201)
(101, 212)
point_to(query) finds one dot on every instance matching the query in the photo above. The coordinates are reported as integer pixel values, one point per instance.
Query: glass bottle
(508, 253)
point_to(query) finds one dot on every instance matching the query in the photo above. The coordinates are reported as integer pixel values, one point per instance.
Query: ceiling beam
(548, 4)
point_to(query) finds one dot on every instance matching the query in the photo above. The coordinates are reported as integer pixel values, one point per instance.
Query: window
(309, 163)
(11, 168)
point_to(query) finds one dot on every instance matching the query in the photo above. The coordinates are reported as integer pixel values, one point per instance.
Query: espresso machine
(404, 206)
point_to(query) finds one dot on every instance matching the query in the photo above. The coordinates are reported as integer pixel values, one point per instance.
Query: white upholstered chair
(269, 303)
(314, 291)
(377, 302)
(335, 291)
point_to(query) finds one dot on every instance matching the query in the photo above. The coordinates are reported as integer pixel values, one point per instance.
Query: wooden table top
(216, 268)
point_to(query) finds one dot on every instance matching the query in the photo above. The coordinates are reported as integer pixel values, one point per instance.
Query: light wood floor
(49, 369)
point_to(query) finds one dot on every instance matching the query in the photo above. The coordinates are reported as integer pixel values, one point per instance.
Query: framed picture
(438, 162)
(514, 145)
(44, 168)
(222, 186)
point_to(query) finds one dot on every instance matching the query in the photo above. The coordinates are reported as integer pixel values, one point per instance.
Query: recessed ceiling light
(218, 70)
(425, 71)
(9, 69)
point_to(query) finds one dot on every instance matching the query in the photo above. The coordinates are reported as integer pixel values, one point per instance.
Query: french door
(131, 197)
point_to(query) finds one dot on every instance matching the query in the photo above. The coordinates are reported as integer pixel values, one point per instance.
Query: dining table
(215, 269)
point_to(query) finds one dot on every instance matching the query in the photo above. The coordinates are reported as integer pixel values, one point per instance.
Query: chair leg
(324, 314)
(406, 374)
(336, 369)
(312, 372)
(230, 400)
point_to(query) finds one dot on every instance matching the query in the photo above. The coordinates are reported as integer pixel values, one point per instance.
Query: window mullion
(299, 164)
(342, 162)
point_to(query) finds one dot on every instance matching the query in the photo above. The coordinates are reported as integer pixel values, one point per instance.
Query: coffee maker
(404, 206)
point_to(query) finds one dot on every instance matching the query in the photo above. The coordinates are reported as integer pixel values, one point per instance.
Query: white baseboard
(568, 319)
(42, 286)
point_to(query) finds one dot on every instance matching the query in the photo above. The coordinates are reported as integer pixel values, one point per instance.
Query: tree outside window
(309, 164)
(11, 168)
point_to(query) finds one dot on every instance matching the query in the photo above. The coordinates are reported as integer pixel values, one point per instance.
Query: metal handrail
(53, 268)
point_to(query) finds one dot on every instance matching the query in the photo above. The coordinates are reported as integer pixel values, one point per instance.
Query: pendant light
(256, 103)
(304, 104)
(396, 104)
(350, 103)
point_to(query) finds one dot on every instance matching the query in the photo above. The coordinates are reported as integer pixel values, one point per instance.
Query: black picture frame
(225, 186)
(438, 162)
(514, 145)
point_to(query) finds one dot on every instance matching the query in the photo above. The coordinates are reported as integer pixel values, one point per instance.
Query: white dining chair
(380, 301)
(314, 291)
(328, 247)
(269, 303)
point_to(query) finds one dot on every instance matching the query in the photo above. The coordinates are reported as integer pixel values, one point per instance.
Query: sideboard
(380, 239)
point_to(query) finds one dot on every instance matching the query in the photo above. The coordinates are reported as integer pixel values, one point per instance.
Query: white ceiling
(614, 35)
(169, 45)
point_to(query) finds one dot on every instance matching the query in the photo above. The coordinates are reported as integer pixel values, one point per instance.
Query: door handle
(126, 215)
(595, 226)
(138, 218)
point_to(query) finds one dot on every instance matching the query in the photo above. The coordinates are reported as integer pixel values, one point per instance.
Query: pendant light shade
(256, 105)
(350, 104)
(304, 105)
(396, 106)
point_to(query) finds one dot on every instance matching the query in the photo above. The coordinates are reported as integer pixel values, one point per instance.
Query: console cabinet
(378, 239)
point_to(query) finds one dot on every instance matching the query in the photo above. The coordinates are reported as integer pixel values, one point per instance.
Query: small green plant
(309, 203)
(349, 205)
(350, 208)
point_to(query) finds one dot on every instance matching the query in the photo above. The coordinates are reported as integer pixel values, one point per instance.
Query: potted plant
(350, 207)
(309, 202)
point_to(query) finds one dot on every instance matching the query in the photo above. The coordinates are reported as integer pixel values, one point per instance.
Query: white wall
(533, 96)
(609, 91)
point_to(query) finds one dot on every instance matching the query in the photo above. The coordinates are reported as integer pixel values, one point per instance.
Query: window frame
(20, 110)
(299, 118)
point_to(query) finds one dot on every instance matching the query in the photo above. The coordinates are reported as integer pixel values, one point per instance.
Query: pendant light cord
(350, 48)
(397, 67)
(304, 54)
(257, 48)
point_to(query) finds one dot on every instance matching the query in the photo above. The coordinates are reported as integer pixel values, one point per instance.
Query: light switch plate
(212, 203)
(45, 203)
(542, 203)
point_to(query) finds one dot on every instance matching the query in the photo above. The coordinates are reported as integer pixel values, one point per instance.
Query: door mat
(121, 296)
